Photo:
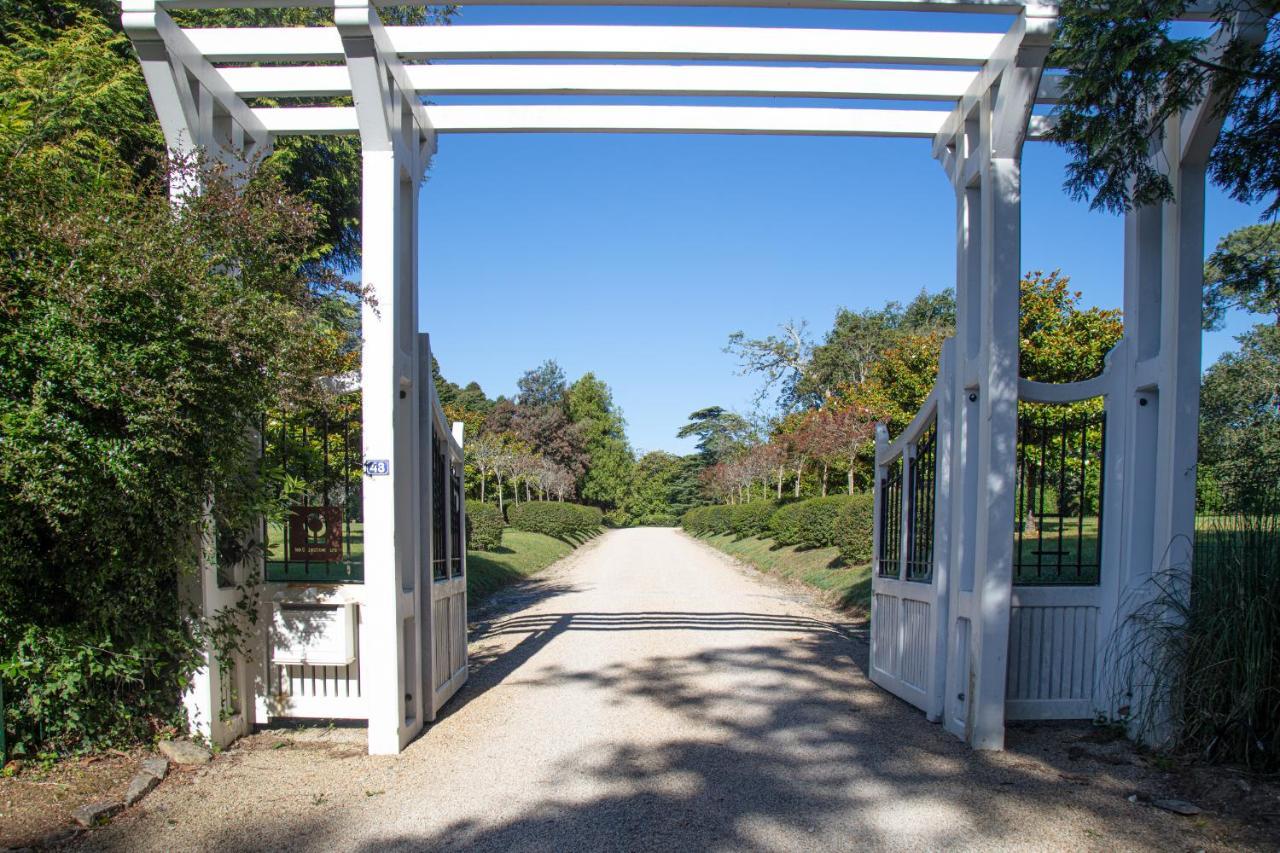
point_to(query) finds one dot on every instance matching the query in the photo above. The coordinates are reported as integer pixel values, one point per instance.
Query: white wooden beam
(1005, 7)
(153, 32)
(627, 119)
(706, 80)
(748, 44)
(1026, 43)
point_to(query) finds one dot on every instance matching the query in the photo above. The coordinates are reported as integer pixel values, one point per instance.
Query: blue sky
(635, 256)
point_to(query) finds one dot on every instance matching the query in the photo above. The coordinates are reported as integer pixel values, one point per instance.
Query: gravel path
(649, 693)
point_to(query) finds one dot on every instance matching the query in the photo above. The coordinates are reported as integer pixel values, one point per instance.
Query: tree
(782, 360)
(849, 429)
(656, 487)
(1128, 70)
(1240, 422)
(1243, 272)
(609, 458)
(720, 432)
(548, 430)
(1059, 340)
(483, 452)
(542, 386)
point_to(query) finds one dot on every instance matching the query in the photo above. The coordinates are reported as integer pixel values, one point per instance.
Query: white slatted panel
(1052, 653)
(443, 641)
(885, 626)
(915, 643)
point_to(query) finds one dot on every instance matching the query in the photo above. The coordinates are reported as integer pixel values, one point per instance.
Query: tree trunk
(825, 466)
(799, 476)
(482, 485)
(500, 506)
(781, 470)
(851, 474)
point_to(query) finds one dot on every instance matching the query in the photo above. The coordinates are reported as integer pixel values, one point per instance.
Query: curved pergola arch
(944, 645)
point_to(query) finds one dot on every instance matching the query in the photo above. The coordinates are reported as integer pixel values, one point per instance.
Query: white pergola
(974, 96)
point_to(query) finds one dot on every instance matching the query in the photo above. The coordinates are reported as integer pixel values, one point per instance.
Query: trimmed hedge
(751, 519)
(708, 520)
(484, 526)
(855, 526)
(843, 521)
(555, 519)
(808, 524)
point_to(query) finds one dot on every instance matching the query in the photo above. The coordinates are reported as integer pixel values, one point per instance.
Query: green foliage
(662, 484)
(1128, 70)
(1243, 272)
(484, 526)
(1216, 653)
(855, 527)
(1058, 340)
(708, 520)
(809, 524)
(136, 345)
(609, 459)
(720, 432)
(1240, 423)
(752, 518)
(558, 520)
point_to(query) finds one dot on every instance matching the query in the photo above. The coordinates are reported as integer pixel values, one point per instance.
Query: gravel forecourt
(648, 693)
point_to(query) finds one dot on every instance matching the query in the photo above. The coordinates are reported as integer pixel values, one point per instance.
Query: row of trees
(819, 402)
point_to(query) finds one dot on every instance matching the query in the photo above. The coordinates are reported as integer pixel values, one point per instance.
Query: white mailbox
(314, 634)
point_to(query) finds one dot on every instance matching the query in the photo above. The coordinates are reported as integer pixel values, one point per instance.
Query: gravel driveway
(649, 693)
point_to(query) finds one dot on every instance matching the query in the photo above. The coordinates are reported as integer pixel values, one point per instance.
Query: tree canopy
(1129, 68)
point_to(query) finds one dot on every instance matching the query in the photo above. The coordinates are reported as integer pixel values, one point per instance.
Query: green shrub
(855, 526)
(708, 520)
(484, 526)
(808, 524)
(751, 519)
(555, 519)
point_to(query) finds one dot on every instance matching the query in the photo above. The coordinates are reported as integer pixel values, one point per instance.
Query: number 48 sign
(377, 467)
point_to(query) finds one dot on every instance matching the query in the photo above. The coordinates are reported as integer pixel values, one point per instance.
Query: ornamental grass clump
(1207, 665)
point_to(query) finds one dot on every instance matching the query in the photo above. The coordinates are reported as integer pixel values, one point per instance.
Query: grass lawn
(521, 555)
(821, 568)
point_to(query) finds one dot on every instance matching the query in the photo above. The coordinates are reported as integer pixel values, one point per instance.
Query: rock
(156, 766)
(1181, 807)
(139, 786)
(185, 752)
(96, 814)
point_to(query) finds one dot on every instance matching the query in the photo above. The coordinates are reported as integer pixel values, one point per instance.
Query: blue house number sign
(377, 467)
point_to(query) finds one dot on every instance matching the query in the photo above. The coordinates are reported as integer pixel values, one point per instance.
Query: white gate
(910, 548)
(444, 563)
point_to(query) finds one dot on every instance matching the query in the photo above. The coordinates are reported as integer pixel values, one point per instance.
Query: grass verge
(839, 583)
(522, 554)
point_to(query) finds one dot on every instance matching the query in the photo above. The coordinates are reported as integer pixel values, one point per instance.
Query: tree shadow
(776, 742)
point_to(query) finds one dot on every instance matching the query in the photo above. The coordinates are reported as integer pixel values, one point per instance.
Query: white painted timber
(627, 119)
(1007, 7)
(709, 80)
(748, 44)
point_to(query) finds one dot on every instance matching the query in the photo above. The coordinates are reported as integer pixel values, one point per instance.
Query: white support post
(395, 141)
(981, 144)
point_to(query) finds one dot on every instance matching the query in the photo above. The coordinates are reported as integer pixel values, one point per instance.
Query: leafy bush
(855, 527)
(709, 520)
(751, 519)
(808, 524)
(484, 526)
(556, 519)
